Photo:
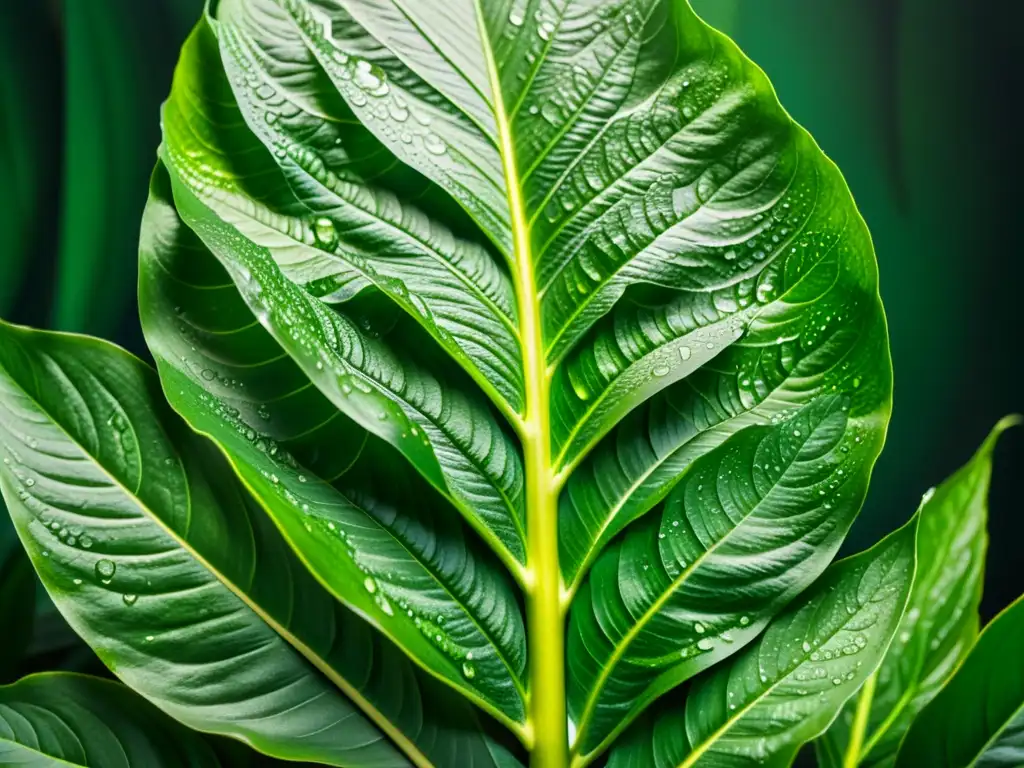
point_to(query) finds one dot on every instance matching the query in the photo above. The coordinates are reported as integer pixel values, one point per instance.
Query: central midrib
(547, 722)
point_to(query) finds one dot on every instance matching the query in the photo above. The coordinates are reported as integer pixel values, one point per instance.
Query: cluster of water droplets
(52, 519)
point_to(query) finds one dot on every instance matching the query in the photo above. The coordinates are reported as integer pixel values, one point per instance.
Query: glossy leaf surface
(978, 718)
(494, 278)
(60, 719)
(749, 527)
(941, 622)
(163, 563)
(784, 689)
(383, 543)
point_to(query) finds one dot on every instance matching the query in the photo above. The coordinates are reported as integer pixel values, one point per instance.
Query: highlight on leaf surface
(538, 344)
(158, 557)
(940, 625)
(783, 690)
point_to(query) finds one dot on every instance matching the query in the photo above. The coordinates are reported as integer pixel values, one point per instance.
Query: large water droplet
(325, 233)
(130, 599)
(105, 570)
(433, 144)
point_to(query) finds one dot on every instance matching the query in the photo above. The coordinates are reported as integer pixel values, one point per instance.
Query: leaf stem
(860, 723)
(547, 722)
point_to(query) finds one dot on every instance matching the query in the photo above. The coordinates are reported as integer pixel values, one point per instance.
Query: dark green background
(916, 100)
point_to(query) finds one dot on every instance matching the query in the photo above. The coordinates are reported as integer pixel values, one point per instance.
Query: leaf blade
(752, 525)
(382, 544)
(194, 626)
(757, 708)
(941, 623)
(70, 719)
(953, 730)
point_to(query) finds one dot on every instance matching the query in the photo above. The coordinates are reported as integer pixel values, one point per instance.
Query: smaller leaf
(751, 526)
(941, 622)
(76, 720)
(978, 718)
(783, 690)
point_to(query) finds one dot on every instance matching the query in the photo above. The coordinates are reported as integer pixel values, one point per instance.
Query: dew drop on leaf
(325, 233)
(105, 570)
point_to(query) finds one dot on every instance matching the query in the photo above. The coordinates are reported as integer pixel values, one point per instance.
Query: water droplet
(86, 541)
(398, 112)
(370, 584)
(468, 670)
(806, 646)
(744, 621)
(130, 599)
(698, 628)
(105, 570)
(78, 582)
(661, 370)
(515, 19)
(434, 145)
(325, 233)
(208, 374)
(705, 644)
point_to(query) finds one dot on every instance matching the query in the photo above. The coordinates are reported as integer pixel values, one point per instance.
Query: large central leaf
(465, 289)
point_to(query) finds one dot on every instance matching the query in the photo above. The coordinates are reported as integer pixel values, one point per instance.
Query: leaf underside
(503, 312)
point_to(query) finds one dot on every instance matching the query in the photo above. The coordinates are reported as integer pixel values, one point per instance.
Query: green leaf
(978, 717)
(751, 525)
(784, 689)
(383, 543)
(511, 272)
(159, 559)
(941, 622)
(61, 719)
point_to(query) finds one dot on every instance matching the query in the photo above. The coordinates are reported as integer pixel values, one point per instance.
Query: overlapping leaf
(761, 706)
(75, 720)
(978, 718)
(940, 625)
(164, 565)
(752, 524)
(380, 541)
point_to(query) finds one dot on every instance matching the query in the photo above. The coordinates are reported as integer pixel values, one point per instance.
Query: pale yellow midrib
(547, 718)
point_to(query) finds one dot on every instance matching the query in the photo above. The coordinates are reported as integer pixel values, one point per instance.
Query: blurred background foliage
(916, 100)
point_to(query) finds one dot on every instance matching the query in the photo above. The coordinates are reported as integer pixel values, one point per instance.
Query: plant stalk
(547, 719)
(860, 723)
